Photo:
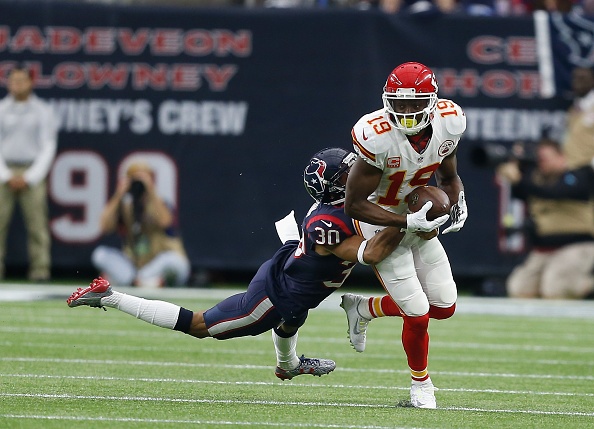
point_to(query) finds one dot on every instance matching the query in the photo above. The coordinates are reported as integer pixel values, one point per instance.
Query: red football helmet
(410, 81)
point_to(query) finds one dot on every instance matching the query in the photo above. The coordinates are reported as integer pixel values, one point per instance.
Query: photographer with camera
(152, 254)
(578, 142)
(561, 214)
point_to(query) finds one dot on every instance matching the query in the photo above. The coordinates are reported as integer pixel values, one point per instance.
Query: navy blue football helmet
(322, 177)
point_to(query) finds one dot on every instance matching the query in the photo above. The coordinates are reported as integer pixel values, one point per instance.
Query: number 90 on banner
(79, 183)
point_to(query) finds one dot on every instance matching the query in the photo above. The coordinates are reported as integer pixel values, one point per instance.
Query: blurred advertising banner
(230, 104)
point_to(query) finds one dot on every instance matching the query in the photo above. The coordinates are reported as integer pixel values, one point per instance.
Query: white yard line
(88, 362)
(368, 354)
(198, 422)
(281, 403)
(288, 386)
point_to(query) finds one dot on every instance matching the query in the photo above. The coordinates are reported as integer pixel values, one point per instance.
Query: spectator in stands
(463, 7)
(579, 136)
(495, 7)
(153, 254)
(28, 140)
(418, 6)
(562, 6)
(560, 263)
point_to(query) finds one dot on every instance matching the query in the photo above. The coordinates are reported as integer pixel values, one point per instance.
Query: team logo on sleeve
(393, 162)
(445, 148)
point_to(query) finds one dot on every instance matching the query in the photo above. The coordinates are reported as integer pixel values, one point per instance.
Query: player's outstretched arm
(368, 252)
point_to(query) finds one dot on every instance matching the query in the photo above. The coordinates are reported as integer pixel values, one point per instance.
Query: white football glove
(287, 228)
(418, 221)
(458, 213)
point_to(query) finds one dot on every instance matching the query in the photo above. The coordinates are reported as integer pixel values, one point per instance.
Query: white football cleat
(422, 394)
(357, 323)
(313, 366)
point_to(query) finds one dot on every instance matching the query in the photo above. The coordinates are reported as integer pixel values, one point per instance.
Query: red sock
(415, 340)
(383, 306)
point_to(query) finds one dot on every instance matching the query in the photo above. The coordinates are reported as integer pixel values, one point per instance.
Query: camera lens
(137, 189)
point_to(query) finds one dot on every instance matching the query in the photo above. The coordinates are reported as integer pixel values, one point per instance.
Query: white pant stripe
(249, 319)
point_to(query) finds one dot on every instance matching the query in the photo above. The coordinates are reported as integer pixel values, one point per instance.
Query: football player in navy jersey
(298, 277)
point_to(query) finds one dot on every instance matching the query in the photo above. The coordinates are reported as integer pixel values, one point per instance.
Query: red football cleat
(91, 295)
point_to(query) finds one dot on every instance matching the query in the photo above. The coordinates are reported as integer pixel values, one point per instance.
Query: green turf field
(86, 368)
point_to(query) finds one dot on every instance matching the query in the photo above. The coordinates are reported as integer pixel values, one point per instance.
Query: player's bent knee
(415, 306)
(443, 295)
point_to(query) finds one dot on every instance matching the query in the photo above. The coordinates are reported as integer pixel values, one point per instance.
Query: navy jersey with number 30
(301, 278)
(295, 280)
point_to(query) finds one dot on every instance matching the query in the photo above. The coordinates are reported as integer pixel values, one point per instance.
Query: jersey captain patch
(393, 162)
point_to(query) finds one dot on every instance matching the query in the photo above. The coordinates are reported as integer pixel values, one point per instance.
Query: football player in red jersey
(402, 146)
(298, 277)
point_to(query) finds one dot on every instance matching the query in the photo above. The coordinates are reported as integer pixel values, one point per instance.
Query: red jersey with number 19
(380, 144)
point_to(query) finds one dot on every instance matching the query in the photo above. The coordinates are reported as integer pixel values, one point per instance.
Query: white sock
(424, 382)
(286, 355)
(159, 313)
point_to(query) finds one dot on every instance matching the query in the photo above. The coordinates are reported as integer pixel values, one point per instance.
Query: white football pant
(416, 274)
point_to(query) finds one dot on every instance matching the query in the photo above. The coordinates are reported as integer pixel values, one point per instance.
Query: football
(419, 196)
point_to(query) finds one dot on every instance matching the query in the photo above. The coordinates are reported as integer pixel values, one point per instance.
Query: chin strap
(287, 228)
